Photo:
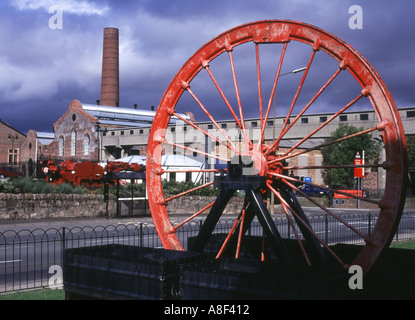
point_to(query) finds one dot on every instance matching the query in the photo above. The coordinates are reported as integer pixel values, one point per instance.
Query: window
(173, 129)
(61, 146)
(224, 125)
(343, 118)
(172, 176)
(122, 133)
(323, 119)
(364, 117)
(188, 176)
(270, 123)
(73, 142)
(141, 131)
(131, 131)
(86, 145)
(13, 156)
(254, 124)
(210, 126)
(410, 114)
(113, 133)
(304, 120)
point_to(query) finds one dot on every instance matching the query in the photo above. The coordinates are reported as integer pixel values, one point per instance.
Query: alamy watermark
(356, 280)
(356, 20)
(56, 280)
(56, 20)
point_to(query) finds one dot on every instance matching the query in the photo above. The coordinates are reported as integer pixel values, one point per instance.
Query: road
(29, 249)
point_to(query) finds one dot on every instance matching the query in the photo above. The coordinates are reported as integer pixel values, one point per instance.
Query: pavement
(70, 222)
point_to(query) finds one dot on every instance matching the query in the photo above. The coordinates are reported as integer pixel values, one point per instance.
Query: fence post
(326, 223)
(369, 225)
(63, 242)
(141, 235)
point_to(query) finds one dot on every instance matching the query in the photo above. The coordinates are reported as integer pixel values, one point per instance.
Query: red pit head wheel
(243, 68)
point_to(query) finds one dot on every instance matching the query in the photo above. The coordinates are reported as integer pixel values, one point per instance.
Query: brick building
(76, 136)
(10, 142)
(37, 146)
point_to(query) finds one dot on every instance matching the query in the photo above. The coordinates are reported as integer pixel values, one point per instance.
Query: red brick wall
(83, 123)
(6, 143)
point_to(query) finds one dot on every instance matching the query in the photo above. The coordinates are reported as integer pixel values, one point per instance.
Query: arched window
(73, 142)
(86, 145)
(61, 146)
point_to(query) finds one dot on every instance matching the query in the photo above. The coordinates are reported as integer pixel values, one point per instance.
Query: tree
(343, 153)
(410, 142)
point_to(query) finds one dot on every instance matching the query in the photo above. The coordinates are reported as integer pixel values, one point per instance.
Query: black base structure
(128, 272)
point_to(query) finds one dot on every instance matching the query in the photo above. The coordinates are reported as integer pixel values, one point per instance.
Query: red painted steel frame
(278, 31)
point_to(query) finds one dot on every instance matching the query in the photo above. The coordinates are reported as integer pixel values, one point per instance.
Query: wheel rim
(267, 162)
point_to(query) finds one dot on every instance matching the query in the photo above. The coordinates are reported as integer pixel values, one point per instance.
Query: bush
(7, 187)
(27, 185)
(173, 187)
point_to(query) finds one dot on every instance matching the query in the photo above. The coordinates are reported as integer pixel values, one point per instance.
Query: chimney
(110, 69)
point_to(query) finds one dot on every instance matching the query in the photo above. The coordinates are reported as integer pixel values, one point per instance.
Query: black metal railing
(31, 259)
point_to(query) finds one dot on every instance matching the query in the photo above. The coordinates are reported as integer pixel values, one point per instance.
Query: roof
(45, 138)
(125, 116)
(178, 160)
(133, 159)
(168, 160)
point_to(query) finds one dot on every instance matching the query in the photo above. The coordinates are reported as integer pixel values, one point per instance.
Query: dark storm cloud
(44, 69)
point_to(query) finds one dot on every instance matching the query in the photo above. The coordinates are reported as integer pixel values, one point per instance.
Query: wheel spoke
(247, 141)
(206, 132)
(300, 86)
(187, 87)
(328, 211)
(188, 191)
(223, 96)
(271, 98)
(337, 166)
(241, 226)
(195, 150)
(281, 158)
(174, 228)
(310, 230)
(258, 68)
(228, 237)
(324, 188)
(291, 222)
(323, 124)
(284, 131)
(192, 170)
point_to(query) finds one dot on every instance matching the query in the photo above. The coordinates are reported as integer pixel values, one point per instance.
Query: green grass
(45, 294)
(403, 245)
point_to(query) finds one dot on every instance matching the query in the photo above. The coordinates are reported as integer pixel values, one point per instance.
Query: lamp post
(273, 123)
(284, 74)
(12, 138)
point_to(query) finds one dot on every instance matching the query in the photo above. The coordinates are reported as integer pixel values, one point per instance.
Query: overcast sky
(43, 69)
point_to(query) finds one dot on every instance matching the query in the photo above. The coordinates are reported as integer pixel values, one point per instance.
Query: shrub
(174, 187)
(27, 185)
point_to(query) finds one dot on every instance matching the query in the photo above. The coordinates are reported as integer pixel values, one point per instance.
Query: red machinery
(84, 173)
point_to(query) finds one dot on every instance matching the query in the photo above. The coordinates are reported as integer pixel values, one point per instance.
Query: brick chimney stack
(110, 69)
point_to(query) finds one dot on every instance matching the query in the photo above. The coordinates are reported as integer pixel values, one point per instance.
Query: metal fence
(31, 259)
